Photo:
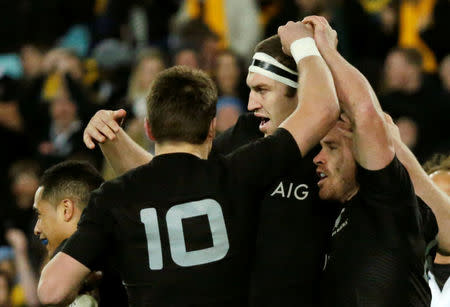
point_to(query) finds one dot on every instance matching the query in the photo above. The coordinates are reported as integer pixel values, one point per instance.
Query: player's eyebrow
(330, 143)
(260, 86)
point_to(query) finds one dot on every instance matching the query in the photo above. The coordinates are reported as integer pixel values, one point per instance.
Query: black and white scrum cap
(267, 66)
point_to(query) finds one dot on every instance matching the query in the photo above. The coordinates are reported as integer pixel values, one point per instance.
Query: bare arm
(60, 280)
(16, 238)
(118, 148)
(425, 188)
(123, 154)
(318, 109)
(373, 147)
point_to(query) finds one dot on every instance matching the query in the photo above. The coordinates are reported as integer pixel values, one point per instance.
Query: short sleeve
(93, 234)
(259, 163)
(390, 186)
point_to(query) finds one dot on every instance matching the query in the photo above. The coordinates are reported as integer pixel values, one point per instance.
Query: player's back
(182, 233)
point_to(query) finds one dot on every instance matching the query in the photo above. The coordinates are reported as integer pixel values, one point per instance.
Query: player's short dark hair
(74, 179)
(181, 105)
(272, 46)
(438, 162)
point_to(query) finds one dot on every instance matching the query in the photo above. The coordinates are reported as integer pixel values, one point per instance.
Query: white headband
(267, 66)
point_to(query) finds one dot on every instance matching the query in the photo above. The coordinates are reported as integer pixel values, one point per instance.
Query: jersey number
(174, 217)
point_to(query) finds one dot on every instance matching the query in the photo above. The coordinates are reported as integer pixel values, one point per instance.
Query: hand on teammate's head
(325, 37)
(344, 125)
(291, 32)
(103, 126)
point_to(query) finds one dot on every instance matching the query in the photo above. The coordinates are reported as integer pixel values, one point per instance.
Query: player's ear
(212, 129)
(148, 130)
(68, 207)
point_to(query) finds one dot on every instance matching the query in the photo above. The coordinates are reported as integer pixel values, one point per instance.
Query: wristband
(303, 48)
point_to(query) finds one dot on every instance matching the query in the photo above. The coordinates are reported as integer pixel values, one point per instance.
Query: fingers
(88, 141)
(345, 118)
(316, 20)
(90, 135)
(103, 125)
(312, 21)
(119, 115)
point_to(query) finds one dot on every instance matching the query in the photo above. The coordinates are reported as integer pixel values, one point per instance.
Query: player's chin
(323, 193)
(269, 130)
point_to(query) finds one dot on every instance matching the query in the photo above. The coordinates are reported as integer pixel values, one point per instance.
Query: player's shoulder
(118, 188)
(390, 184)
(394, 172)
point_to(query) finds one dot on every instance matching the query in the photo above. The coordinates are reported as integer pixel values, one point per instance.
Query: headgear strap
(268, 66)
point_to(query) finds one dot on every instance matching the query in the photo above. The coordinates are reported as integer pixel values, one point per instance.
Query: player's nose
(37, 230)
(319, 158)
(253, 103)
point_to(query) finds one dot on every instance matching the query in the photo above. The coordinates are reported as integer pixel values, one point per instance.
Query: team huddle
(311, 199)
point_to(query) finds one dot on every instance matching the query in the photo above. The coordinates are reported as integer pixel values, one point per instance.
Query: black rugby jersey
(378, 248)
(294, 227)
(180, 228)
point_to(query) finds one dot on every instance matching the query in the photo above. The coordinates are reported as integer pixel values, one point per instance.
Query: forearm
(123, 154)
(61, 280)
(372, 144)
(318, 107)
(425, 188)
(314, 75)
(27, 279)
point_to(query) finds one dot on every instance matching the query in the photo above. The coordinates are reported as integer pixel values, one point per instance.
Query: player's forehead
(255, 79)
(38, 198)
(335, 137)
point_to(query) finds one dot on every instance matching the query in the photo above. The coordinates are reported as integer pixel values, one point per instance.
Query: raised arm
(425, 188)
(118, 148)
(318, 108)
(373, 147)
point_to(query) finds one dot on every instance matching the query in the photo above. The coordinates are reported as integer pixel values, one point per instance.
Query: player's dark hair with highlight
(272, 46)
(181, 105)
(70, 179)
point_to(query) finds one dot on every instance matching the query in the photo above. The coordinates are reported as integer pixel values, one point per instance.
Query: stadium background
(61, 61)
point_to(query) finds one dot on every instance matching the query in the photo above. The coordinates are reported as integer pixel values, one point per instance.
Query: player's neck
(199, 150)
(441, 259)
(349, 195)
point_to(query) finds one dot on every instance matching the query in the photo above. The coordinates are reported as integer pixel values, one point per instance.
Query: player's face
(49, 225)
(336, 167)
(442, 180)
(269, 102)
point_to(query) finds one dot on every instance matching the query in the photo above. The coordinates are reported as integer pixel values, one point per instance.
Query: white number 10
(174, 217)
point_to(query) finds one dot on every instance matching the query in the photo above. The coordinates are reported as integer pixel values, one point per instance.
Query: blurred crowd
(61, 61)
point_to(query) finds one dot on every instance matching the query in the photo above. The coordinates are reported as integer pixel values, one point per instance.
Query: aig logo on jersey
(290, 190)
